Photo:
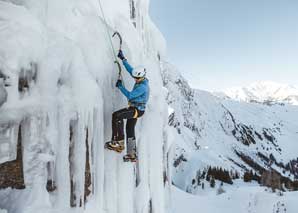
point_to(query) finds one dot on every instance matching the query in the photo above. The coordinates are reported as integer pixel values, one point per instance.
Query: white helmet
(139, 72)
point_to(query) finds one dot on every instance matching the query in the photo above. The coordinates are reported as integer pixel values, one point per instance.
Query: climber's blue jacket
(139, 95)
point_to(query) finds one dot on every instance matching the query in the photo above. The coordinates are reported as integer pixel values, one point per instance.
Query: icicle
(99, 155)
(35, 159)
(62, 159)
(90, 145)
(79, 159)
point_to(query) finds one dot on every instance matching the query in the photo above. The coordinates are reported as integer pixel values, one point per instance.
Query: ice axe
(119, 68)
(116, 33)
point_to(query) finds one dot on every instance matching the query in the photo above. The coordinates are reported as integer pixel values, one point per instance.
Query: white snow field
(245, 199)
(62, 48)
(265, 91)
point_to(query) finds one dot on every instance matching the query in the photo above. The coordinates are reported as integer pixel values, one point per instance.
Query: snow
(66, 43)
(265, 91)
(245, 199)
(8, 141)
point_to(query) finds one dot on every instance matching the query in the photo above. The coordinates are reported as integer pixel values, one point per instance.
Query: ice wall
(62, 94)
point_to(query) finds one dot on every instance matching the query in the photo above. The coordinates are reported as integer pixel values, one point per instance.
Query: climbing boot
(117, 146)
(131, 150)
(130, 158)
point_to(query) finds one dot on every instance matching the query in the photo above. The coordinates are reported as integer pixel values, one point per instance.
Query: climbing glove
(121, 55)
(119, 83)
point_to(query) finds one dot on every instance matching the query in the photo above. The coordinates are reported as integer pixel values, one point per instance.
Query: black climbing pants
(131, 114)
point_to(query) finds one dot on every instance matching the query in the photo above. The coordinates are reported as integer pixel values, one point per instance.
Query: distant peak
(264, 91)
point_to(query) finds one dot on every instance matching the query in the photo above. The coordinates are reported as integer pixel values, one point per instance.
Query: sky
(218, 44)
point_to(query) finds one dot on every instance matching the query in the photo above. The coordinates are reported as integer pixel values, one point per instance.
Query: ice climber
(137, 100)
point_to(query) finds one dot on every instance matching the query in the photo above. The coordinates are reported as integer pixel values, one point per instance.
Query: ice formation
(60, 100)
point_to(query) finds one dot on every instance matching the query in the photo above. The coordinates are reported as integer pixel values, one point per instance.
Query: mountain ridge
(267, 92)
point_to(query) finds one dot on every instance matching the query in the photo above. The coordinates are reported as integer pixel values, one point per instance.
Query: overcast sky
(218, 44)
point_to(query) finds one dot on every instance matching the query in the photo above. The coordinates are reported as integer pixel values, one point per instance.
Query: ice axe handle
(119, 68)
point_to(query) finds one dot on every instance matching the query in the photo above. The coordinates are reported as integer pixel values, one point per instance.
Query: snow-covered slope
(58, 57)
(265, 92)
(226, 134)
(245, 199)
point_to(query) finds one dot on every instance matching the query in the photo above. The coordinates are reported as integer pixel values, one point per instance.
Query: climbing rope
(110, 40)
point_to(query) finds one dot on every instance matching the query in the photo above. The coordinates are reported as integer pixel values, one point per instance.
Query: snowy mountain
(265, 92)
(61, 93)
(225, 140)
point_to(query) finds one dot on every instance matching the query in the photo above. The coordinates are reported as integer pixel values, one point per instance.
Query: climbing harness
(110, 40)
